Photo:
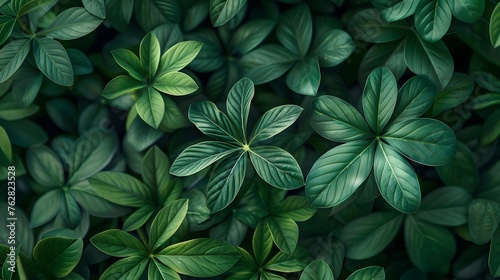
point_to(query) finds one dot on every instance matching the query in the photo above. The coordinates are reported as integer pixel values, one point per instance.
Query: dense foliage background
(286, 139)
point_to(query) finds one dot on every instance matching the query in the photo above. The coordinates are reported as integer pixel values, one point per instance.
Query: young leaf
(446, 206)
(262, 242)
(468, 11)
(52, 59)
(337, 120)
(495, 27)
(221, 11)
(175, 83)
(338, 173)
(238, 104)
(118, 243)
(394, 11)
(294, 30)
(316, 270)
(267, 63)
(396, 179)
(129, 268)
(58, 255)
(285, 233)
(130, 62)
(150, 53)
(414, 99)
(12, 56)
(121, 85)
(334, 47)
(371, 272)
(150, 107)
(305, 76)
(432, 19)
(70, 24)
(455, 93)
(462, 170)
(178, 56)
(274, 121)
(367, 236)
(426, 141)
(167, 222)
(484, 218)
(277, 167)
(44, 166)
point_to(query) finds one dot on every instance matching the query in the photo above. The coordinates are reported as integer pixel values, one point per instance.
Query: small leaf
(371, 272)
(495, 27)
(491, 128)
(484, 218)
(175, 83)
(455, 93)
(130, 62)
(150, 52)
(46, 208)
(432, 19)
(53, 60)
(118, 243)
(121, 85)
(294, 29)
(221, 11)
(262, 242)
(26, 86)
(317, 270)
(446, 206)
(285, 233)
(390, 55)
(178, 56)
(274, 121)
(70, 24)
(150, 107)
(58, 255)
(167, 222)
(154, 167)
(367, 25)
(128, 268)
(44, 166)
(122, 189)
(249, 35)
(296, 208)
(12, 56)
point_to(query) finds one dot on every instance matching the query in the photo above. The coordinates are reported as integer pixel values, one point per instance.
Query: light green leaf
(446, 206)
(225, 181)
(122, 189)
(159, 271)
(52, 59)
(431, 60)
(390, 55)
(484, 218)
(154, 169)
(305, 76)
(462, 170)
(44, 166)
(249, 35)
(277, 167)
(130, 62)
(395, 10)
(368, 273)
(138, 218)
(178, 56)
(334, 47)
(6, 26)
(200, 257)
(429, 247)
(118, 243)
(121, 85)
(70, 24)
(494, 255)
(262, 242)
(274, 121)
(167, 222)
(337, 120)
(197, 157)
(396, 179)
(317, 270)
(294, 207)
(12, 56)
(238, 104)
(295, 262)
(221, 11)
(379, 98)
(10, 111)
(58, 255)
(267, 63)
(367, 25)
(285, 233)
(175, 83)
(149, 54)
(455, 93)
(426, 141)
(495, 27)
(432, 19)
(367, 236)
(294, 29)
(129, 268)
(46, 208)
(468, 11)
(414, 99)
(150, 107)
(338, 173)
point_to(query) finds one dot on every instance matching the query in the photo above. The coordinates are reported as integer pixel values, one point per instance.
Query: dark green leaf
(468, 11)
(446, 206)
(26, 85)
(294, 30)
(262, 242)
(121, 188)
(294, 207)
(12, 56)
(367, 25)
(491, 128)
(462, 170)
(221, 11)
(432, 19)
(317, 270)
(484, 218)
(249, 35)
(152, 13)
(129, 268)
(150, 107)
(238, 104)
(414, 98)
(138, 218)
(390, 55)
(95, 7)
(285, 233)
(395, 10)
(274, 121)
(334, 47)
(455, 93)
(6, 26)
(267, 63)
(485, 101)
(118, 13)
(495, 27)
(118, 243)
(304, 77)
(58, 255)
(368, 273)
(167, 222)
(159, 271)
(44, 166)
(149, 54)
(494, 256)
(53, 60)
(71, 24)
(46, 208)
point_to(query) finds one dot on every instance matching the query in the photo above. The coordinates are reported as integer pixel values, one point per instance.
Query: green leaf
(130, 62)
(118, 13)
(462, 170)
(179, 56)
(485, 101)
(296, 208)
(414, 99)
(175, 83)
(468, 11)
(12, 56)
(6, 26)
(426, 141)
(338, 173)
(367, 25)
(367, 236)
(121, 85)
(390, 55)
(10, 111)
(484, 218)
(262, 242)
(317, 270)
(277, 167)
(446, 206)
(197, 157)
(95, 7)
(46, 208)
(495, 27)
(44, 166)
(154, 167)
(432, 19)
(282, 262)
(285, 233)
(150, 107)
(212, 122)
(294, 29)
(267, 63)
(79, 61)
(455, 93)
(371, 273)
(5, 146)
(429, 247)
(379, 98)
(396, 179)
(221, 11)
(274, 121)
(334, 47)
(150, 53)
(70, 24)
(118, 243)
(486, 81)
(122, 189)
(225, 182)
(129, 268)
(138, 218)
(494, 256)
(52, 59)
(63, 113)
(167, 222)
(26, 85)
(70, 211)
(395, 10)
(491, 128)
(95, 205)
(159, 271)
(153, 13)
(337, 120)
(200, 257)
(249, 35)
(24, 7)
(58, 255)
(305, 76)
(238, 104)
(431, 60)
(231, 230)
(174, 118)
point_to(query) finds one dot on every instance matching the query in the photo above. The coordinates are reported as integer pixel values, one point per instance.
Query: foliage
(265, 139)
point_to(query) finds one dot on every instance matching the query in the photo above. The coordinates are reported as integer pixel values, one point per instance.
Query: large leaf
(462, 170)
(429, 247)
(396, 179)
(367, 236)
(432, 19)
(151, 107)
(44, 166)
(71, 24)
(395, 10)
(221, 11)
(274, 121)
(334, 47)
(426, 141)
(379, 98)
(167, 222)
(262, 242)
(200, 257)
(128, 268)
(371, 272)
(294, 29)
(468, 11)
(118, 243)
(238, 104)
(225, 181)
(316, 270)
(52, 59)
(455, 93)
(12, 56)
(495, 27)
(446, 206)
(285, 233)
(431, 60)
(267, 63)
(149, 54)
(414, 98)
(337, 120)
(339, 172)
(277, 167)
(196, 157)
(305, 76)
(58, 255)
(95, 7)
(484, 218)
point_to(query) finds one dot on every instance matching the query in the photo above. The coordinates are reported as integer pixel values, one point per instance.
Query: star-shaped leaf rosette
(391, 132)
(233, 146)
